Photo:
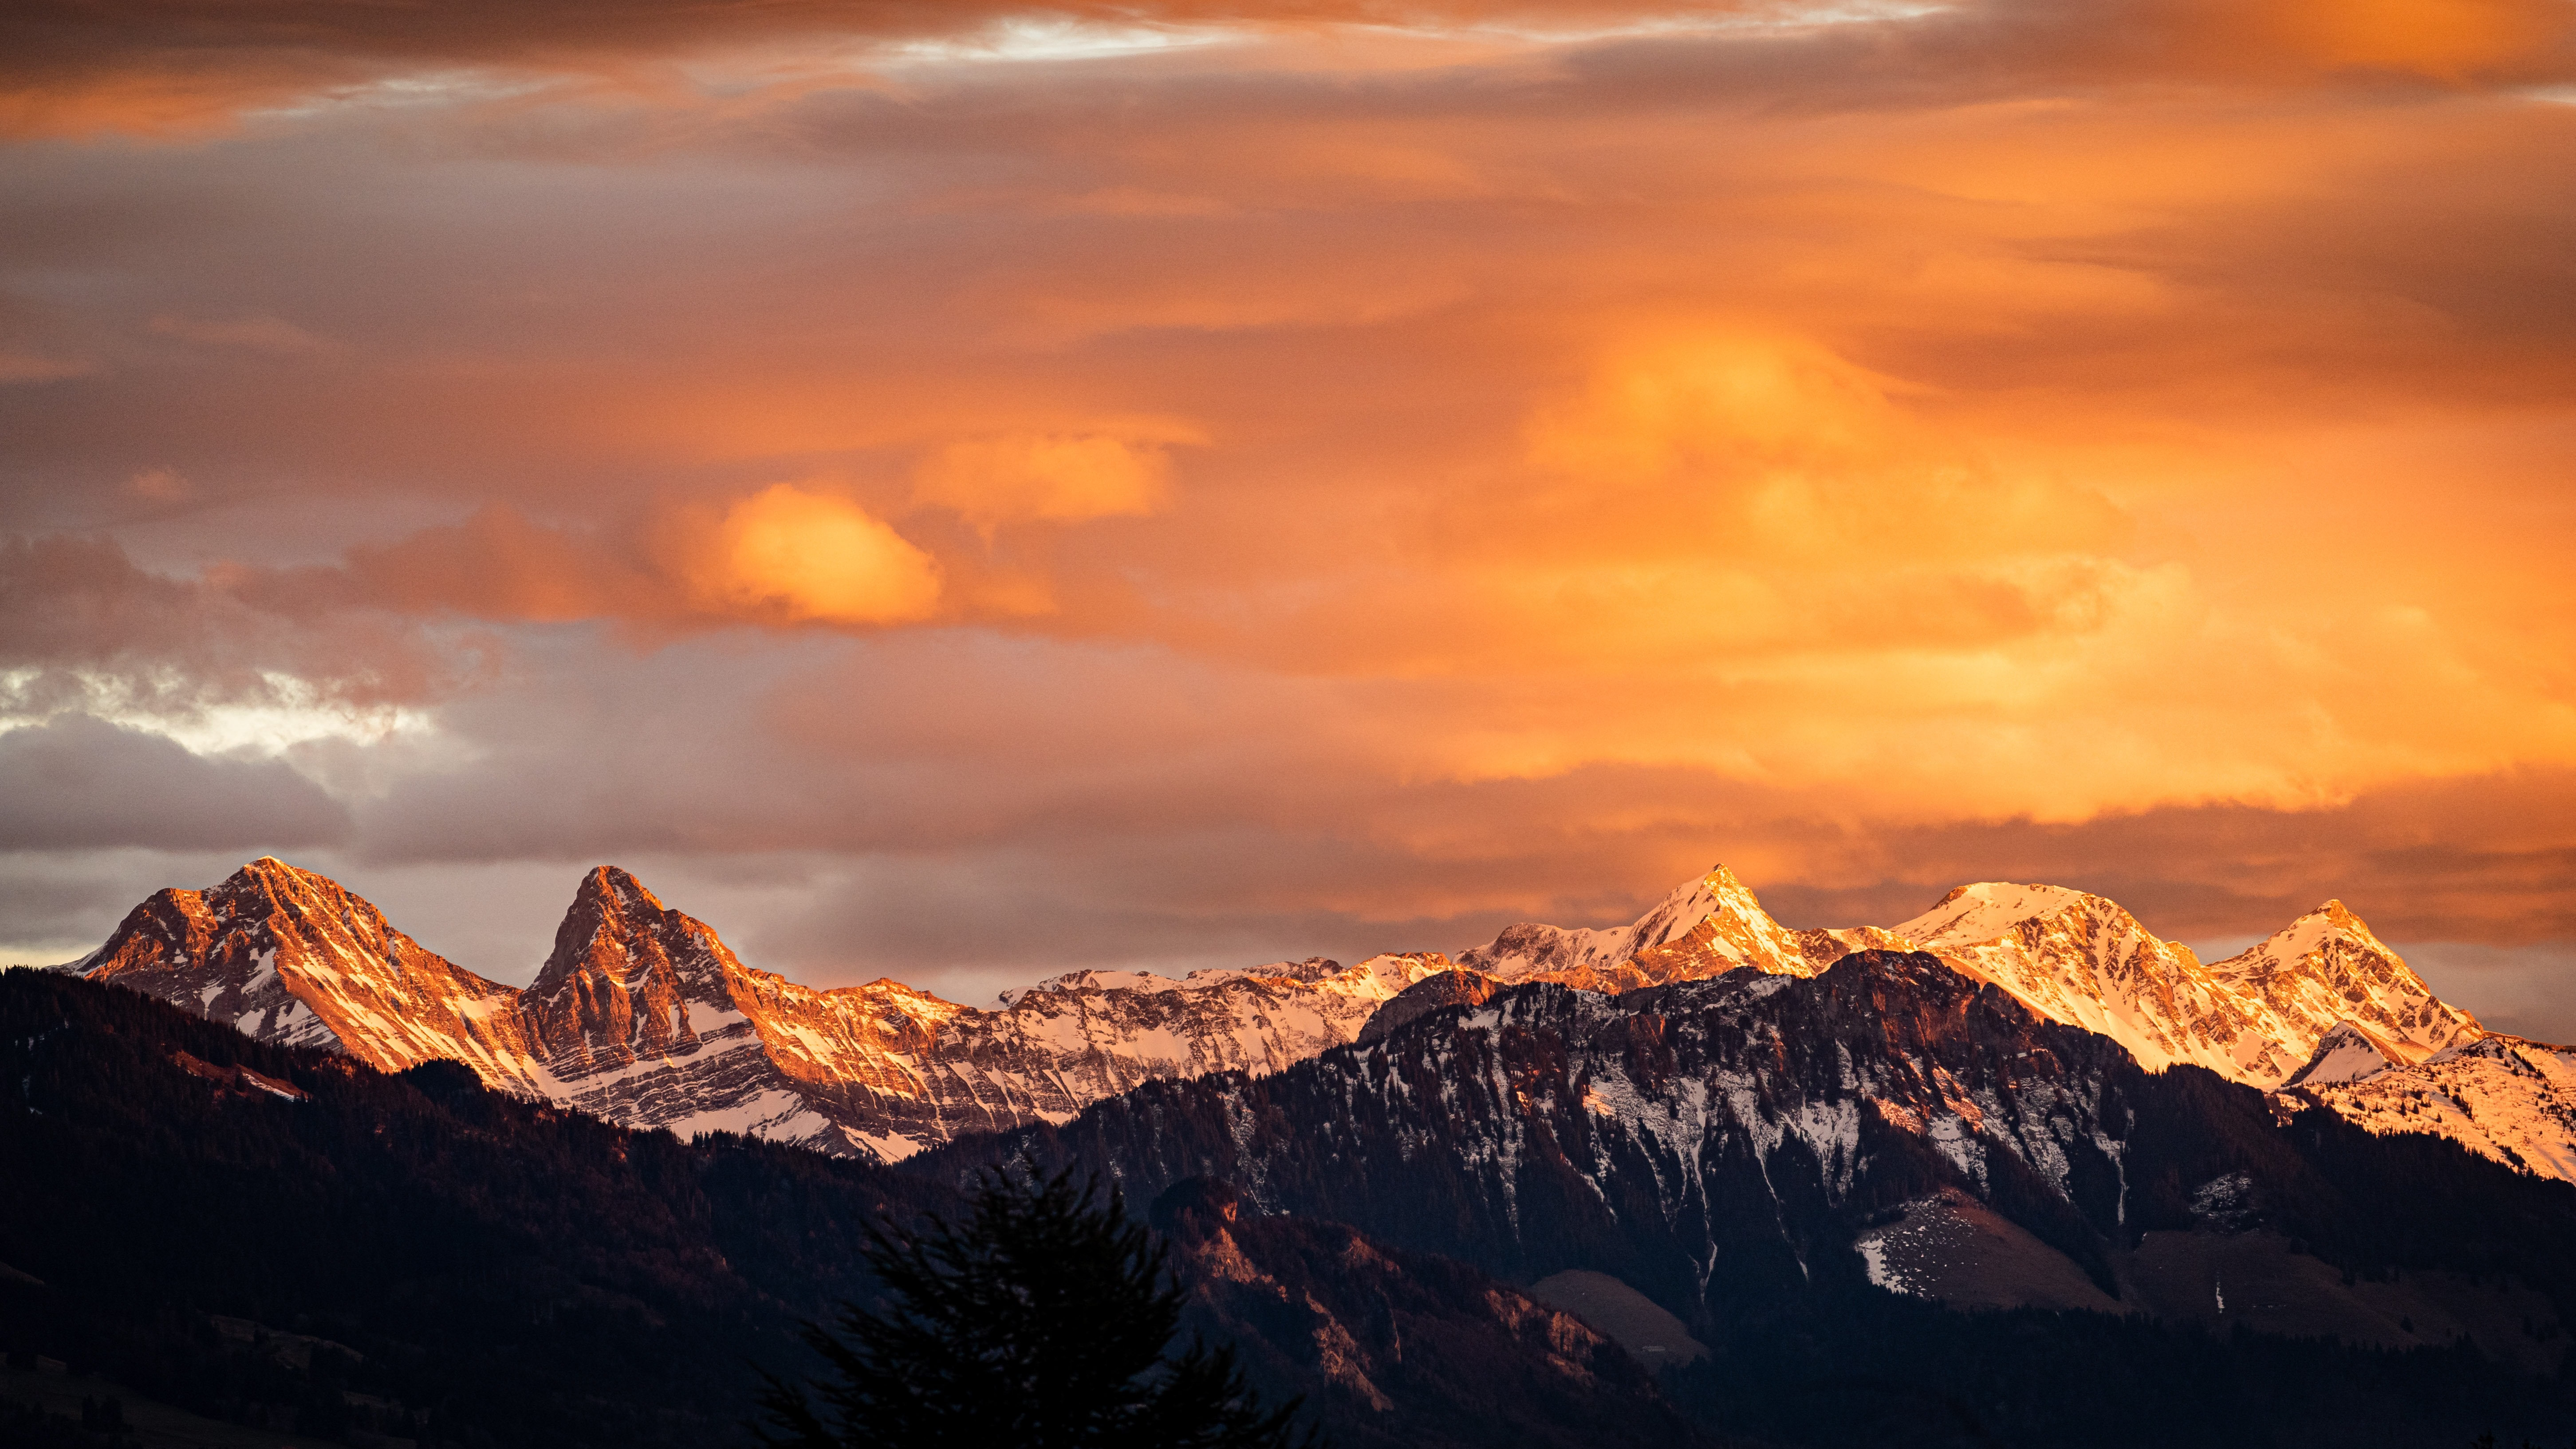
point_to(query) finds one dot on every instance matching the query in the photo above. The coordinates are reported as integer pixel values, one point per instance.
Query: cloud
(17, 367)
(161, 485)
(81, 626)
(1040, 477)
(1773, 447)
(162, 68)
(254, 333)
(78, 783)
(809, 556)
(2118, 442)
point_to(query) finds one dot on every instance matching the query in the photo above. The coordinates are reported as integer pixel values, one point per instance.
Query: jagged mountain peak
(269, 867)
(617, 929)
(285, 886)
(616, 883)
(1720, 892)
(629, 981)
(2329, 966)
(1708, 926)
(642, 1014)
(292, 956)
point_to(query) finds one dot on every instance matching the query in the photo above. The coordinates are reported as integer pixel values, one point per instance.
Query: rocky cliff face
(290, 957)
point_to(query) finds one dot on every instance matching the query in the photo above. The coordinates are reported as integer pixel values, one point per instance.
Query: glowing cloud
(812, 557)
(1782, 448)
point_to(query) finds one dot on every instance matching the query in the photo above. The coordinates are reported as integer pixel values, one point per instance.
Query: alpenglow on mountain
(641, 1015)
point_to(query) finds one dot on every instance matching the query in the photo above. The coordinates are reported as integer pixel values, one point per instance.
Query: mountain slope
(2326, 967)
(1413, 1350)
(2081, 959)
(1706, 1141)
(2504, 1098)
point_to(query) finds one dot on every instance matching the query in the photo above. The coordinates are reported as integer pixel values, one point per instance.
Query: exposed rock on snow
(643, 1016)
(288, 956)
(2345, 1054)
(2327, 967)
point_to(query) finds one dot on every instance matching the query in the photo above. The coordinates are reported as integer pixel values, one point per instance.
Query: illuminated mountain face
(643, 1016)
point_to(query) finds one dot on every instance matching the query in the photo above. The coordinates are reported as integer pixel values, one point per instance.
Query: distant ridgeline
(641, 1015)
(287, 1237)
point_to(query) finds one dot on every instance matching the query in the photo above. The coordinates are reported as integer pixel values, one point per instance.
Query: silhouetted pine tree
(1044, 1321)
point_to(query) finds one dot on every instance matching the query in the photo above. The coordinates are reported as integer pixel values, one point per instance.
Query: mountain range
(2283, 1197)
(641, 1015)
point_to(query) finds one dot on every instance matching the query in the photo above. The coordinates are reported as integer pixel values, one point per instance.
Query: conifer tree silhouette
(1044, 1320)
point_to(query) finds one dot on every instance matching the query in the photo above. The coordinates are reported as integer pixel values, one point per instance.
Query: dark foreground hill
(2158, 1258)
(287, 1239)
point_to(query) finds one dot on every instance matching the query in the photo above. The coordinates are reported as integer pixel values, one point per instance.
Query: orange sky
(959, 491)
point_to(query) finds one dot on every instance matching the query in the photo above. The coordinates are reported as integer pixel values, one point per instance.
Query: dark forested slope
(484, 1269)
(1726, 1147)
(285, 1238)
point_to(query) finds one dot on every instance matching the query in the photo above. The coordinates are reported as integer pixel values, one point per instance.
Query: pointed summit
(2328, 967)
(627, 980)
(1706, 927)
(612, 916)
(286, 955)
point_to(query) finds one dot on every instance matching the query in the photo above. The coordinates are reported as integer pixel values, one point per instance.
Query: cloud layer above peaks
(975, 488)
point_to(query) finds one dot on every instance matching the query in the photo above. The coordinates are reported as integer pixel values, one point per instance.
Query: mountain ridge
(642, 1015)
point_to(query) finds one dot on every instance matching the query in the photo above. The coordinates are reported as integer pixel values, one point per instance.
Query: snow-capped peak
(2327, 966)
(1717, 893)
(1985, 911)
